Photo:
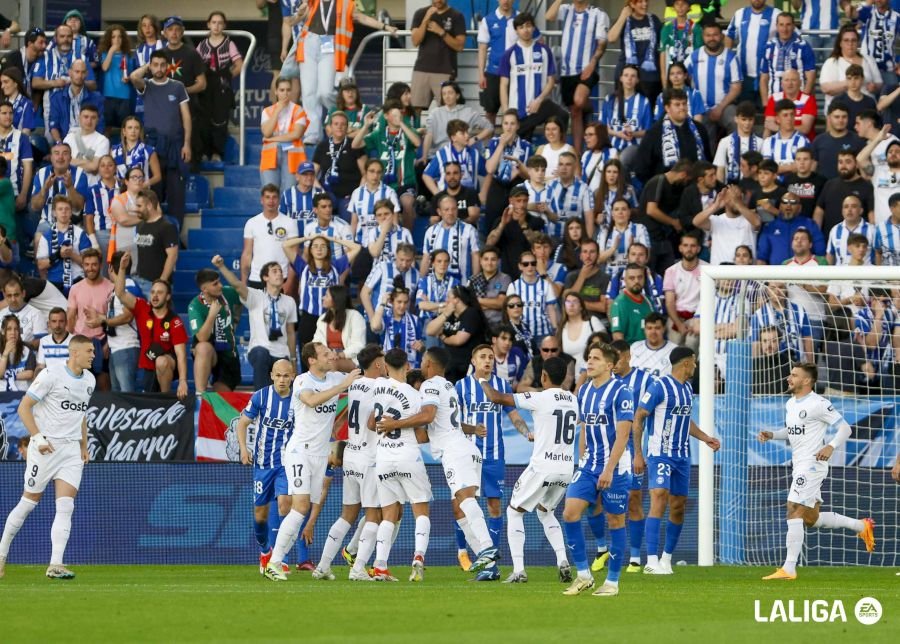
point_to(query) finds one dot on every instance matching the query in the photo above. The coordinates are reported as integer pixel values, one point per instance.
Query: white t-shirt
(727, 233)
(555, 414)
(834, 70)
(259, 311)
(94, 142)
(52, 352)
(685, 284)
(807, 420)
(267, 245)
(63, 400)
(445, 433)
(361, 441)
(396, 400)
(32, 321)
(126, 336)
(576, 347)
(313, 425)
(656, 361)
(885, 182)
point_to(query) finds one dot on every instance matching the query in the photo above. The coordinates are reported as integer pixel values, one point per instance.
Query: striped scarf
(671, 148)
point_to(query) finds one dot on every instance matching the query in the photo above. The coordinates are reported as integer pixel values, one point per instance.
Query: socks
(495, 528)
(636, 536)
(515, 538)
(62, 526)
(14, 522)
(423, 533)
(396, 531)
(575, 540)
(353, 545)
(302, 546)
(795, 535)
(477, 524)
(333, 542)
(463, 535)
(366, 545)
(274, 524)
(383, 543)
(261, 530)
(553, 532)
(616, 554)
(652, 537)
(598, 528)
(673, 531)
(287, 535)
(833, 520)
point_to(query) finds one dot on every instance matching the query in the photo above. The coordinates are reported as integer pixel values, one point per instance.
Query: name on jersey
(73, 406)
(394, 475)
(561, 458)
(360, 386)
(681, 410)
(395, 394)
(796, 430)
(483, 407)
(563, 397)
(595, 419)
(278, 423)
(326, 408)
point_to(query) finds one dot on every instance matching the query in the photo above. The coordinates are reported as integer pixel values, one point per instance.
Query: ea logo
(867, 611)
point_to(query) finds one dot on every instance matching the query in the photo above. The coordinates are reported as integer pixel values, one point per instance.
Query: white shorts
(545, 489)
(806, 483)
(63, 463)
(402, 482)
(359, 483)
(305, 473)
(462, 469)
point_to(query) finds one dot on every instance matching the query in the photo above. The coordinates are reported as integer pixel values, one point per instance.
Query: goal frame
(706, 547)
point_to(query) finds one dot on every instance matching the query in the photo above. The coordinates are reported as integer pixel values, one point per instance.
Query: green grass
(231, 603)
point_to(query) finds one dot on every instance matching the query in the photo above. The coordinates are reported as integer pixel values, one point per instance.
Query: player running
(359, 471)
(398, 463)
(543, 483)
(606, 410)
(54, 411)
(808, 416)
(305, 458)
(270, 409)
(668, 403)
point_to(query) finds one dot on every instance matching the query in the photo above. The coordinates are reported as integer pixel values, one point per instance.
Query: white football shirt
(361, 441)
(555, 414)
(397, 400)
(807, 420)
(445, 431)
(63, 400)
(313, 425)
(656, 361)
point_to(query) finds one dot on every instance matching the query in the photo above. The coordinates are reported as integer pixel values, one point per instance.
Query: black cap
(518, 190)
(680, 353)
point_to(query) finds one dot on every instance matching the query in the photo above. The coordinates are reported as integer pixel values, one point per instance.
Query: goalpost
(743, 488)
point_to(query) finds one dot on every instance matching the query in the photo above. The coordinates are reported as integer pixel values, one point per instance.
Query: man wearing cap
(297, 201)
(774, 245)
(185, 65)
(263, 236)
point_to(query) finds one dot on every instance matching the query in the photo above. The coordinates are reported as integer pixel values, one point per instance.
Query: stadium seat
(222, 241)
(194, 260)
(242, 176)
(196, 193)
(247, 198)
(419, 228)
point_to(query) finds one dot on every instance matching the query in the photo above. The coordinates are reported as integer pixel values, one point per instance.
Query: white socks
(553, 532)
(515, 537)
(423, 533)
(62, 526)
(383, 543)
(366, 545)
(833, 520)
(333, 542)
(653, 561)
(396, 531)
(353, 545)
(14, 523)
(287, 535)
(666, 559)
(795, 535)
(477, 524)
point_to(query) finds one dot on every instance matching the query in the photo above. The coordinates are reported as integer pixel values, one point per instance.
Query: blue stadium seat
(242, 176)
(196, 193)
(247, 198)
(183, 281)
(253, 135)
(232, 151)
(212, 221)
(420, 225)
(224, 241)
(194, 260)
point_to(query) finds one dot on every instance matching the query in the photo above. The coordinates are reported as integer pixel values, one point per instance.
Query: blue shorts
(493, 474)
(268, 485)
(672, 474)
(614, 498)
(637, 482)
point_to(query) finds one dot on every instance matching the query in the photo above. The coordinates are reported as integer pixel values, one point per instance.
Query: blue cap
(173, 20)
(306, 166)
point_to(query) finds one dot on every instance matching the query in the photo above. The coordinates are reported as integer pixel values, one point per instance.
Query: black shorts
(273, 46)
(227, 369)
(490, 96)
(568, 84)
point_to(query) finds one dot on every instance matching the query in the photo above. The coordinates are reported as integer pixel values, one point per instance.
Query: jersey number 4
(565, 427)
(353, 417)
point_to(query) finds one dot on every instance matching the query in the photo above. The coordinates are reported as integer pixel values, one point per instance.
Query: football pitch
(232, 603)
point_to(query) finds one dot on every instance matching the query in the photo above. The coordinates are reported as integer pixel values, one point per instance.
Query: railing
(241, 78)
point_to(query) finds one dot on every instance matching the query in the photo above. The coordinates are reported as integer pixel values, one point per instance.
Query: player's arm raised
(497, 397)
(315, 398)
(623, 429)
(699, 434)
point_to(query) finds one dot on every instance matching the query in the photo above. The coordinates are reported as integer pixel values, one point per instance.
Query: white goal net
(755, 323)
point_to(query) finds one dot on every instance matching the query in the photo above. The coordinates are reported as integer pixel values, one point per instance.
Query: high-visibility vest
(343, 32)
(296, 154)
(122, 198)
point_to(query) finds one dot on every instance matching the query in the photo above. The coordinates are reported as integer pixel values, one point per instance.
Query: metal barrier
(241, 78)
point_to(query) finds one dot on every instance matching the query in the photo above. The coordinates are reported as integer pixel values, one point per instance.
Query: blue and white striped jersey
(819, 15)
(79, 178)
(726, 311)
(381, 280)
(729, 151)
(24, 117)
(497, 32)
(313, 283)
(592, 164)
(837, 241)
(537, 195)
(634, 112)
(877, 34)
(520, 149)
(882, 354)
(431, 289)
(528, 69)
(536, 296)
(139, 156)
(571, 201)
(16, 148)
(581, 33)
(752, 30)
(399, 235)
(336, 229)
(468, 159)
(460, 240)
(274, 424)
(402, 334)
(783, 150)
(637, 380)
(143, 51)
(791, 321)
(668, 426)
(608, 238)
(98, 203)
(363, 200)
(712, 76)
(288, 9)
(52, 352)
(298, 205)
(478, 410)
(781, 56)
(887, 242)
(696, 104)
(601, 409)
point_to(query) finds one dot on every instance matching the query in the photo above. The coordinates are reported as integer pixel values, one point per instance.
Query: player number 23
(663, 469)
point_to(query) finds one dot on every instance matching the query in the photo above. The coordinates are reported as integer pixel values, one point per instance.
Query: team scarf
(648, 64)
(506, 167)
(683, 39)
(56, 241)
(733, 171)
(407, 333)
(671, 150)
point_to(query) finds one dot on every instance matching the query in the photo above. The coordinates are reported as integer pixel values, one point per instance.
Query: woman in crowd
(568, 253)
(434, 288)
(514, 316)
(617, 236)
(833, 75)
(282, 123)
(613, 186)
(398, 327)
(402, 93)
(133, 152)
(98, 221)
(17, 360)
(678, 79)
(13, 88)
(453, 107)
(117, 63)
(124, 214)
(555, 145)
(82, 46)
(223, 64)
(341, 328)
(349, 102)
(364, 199)
(576, 326)
(461, 326)
(597, 153)
(627, 114)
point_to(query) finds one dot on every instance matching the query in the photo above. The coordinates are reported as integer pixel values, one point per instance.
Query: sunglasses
(553, 350)
(790, 202)
(532, 263)
(515, 305)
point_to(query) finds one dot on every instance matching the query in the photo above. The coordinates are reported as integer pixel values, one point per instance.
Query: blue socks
(652, 535)
(274, 523)
(261, 530)
(575, 541)
(673, 531)
(460, 537)
(636, 535)
(302, 548)
(495, 528)
(598, 527)
(616, 553)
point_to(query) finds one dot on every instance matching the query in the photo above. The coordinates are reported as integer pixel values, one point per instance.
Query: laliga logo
(867, 611)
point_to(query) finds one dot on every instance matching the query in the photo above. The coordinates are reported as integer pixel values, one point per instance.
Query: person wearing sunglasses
(531, 377)
(513, 315)
(541, 311)
(775, 239)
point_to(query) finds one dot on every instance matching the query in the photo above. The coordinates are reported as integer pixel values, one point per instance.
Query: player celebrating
(543, 483)
(54, 411)
(668, 403)
(477, 409)
(808, 416)
(459, 456)
(401, 472)
(270, 409)
(606, 410)
(305, 458)
(359, 471)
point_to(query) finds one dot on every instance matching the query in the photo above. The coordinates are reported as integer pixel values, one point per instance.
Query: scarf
(733, 170)
(671, 149)
(682, 41)
(649, 63)
(394, 144)
(57, 240)
(401, 333)
(274, 324)
(505, 170)
(334, 153)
